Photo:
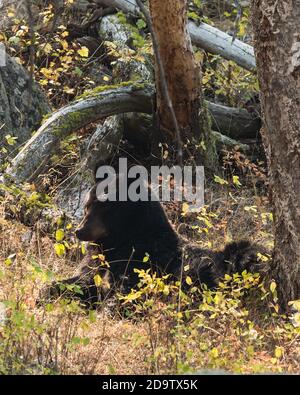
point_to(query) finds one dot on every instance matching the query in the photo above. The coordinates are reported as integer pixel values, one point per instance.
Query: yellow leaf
(11, 13)
(146, 259)
(47, 48)
(278, 352)
(98, 280)
(46, 72)
(10, 139)
(83, 52)
(263, 258)
(235, 180)
(60, 249)
(274, 361)
(295, 304)
(214, 352)
(296, 320)
(64, 44)
(44, 82)
(59, 235)
(185, 208)
(8, 261)
(68, 90)
(273, 286)
(188, 280)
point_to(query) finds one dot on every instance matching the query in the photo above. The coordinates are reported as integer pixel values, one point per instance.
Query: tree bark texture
(277, 45)
(169, 20)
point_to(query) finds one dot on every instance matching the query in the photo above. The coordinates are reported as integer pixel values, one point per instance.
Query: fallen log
(236, 123)
(129, 7)
(204, 36)
(217, 42)
(101, 103)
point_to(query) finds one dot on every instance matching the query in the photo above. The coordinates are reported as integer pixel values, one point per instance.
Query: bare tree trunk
(169, 22)
(277, 45)
(182, 74)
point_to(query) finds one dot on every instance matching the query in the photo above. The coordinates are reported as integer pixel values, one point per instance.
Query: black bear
(125, 232)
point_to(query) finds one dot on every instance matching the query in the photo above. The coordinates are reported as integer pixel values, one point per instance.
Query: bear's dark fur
(125, 232)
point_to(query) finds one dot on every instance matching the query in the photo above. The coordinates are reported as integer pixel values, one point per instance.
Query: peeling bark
(182, 73)
(277, 46)
(184, 109)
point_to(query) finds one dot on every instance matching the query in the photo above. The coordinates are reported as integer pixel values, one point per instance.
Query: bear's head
(113, 221)
(92, 227)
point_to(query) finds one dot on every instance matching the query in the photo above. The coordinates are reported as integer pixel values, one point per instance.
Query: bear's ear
(90, 196)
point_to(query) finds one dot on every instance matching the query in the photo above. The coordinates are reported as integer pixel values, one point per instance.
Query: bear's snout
(79, 233)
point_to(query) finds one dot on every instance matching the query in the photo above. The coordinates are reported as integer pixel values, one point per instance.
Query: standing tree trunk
(169, 22)
(277, 46)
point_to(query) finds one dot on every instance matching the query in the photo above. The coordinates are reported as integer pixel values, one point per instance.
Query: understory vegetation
(157, 328)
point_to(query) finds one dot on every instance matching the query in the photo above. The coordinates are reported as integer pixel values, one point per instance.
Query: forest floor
(237, 328)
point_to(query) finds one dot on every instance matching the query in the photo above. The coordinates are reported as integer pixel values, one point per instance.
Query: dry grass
(69, 340)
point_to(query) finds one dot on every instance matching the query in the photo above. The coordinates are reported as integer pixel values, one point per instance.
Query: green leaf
(193, 15)
(92, 316)
(141, 24)
(220, 180)
(14, 40)
(78, 71)
(197, 3)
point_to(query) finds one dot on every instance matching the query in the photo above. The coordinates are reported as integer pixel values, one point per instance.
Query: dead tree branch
(35, 155)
